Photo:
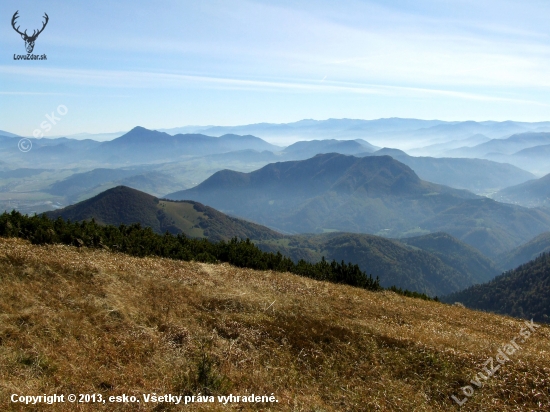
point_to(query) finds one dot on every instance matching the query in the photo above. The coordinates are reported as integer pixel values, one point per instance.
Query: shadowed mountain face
(490, 226)
(377, 195)
(534, 193)
(342, 174)
(122, 205)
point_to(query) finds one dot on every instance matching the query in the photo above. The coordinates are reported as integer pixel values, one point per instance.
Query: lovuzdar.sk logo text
(29, 40)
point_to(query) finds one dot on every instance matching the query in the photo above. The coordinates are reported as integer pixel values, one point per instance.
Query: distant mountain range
(142, 146)
(539, 153)
(309, 129)
(403, 133)
(508, 146)
(477, 175)
(523, 292)
(439, 149)
(147, 144)
(374, 194)
(88, 184)
(100, 137)
(528, 151)
(122, 205)
(138, 146)
(162, 163)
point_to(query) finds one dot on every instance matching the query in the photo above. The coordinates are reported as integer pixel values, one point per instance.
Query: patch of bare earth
(91, 321)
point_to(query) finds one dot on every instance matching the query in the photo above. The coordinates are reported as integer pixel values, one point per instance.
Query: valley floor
(91, 321)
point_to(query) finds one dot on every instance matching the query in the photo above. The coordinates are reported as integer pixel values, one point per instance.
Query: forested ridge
(138, 241)
(435, 264)
(523, 292)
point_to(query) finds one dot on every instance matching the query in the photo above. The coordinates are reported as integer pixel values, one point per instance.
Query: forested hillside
(435, 264)
(457, 254)
(523, 292)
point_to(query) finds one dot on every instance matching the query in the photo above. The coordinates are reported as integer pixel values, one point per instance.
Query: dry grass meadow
(91, 321)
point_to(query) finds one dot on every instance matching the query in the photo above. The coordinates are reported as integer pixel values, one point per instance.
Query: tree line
(139, 241)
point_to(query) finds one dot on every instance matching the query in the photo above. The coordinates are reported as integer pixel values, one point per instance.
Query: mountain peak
(139, 135)
(120, 204)
(124, 205)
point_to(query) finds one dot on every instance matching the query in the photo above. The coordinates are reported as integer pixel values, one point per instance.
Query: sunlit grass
(84, 321)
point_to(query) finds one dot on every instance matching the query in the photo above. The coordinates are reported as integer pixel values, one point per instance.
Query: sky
(161, 64)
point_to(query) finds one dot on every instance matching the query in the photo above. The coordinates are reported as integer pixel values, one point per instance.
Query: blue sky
(164, 64)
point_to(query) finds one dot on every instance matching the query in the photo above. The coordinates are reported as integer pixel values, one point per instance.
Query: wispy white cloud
(141, 79)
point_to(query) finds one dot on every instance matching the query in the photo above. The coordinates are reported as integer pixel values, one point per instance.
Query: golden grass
(90, 321)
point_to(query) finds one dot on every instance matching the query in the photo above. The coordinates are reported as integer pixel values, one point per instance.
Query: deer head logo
(29, 40)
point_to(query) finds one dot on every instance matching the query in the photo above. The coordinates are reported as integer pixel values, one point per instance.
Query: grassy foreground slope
(92, 321)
